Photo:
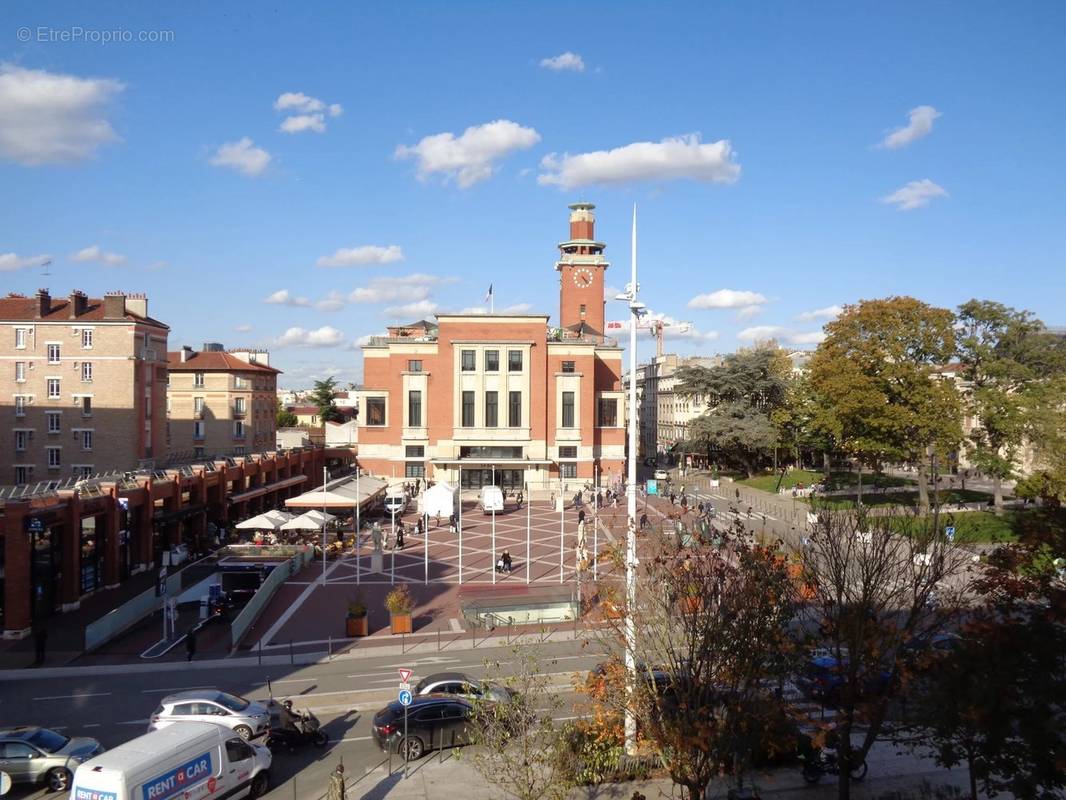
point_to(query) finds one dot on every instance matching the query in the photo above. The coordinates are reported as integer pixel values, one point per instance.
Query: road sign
(405, 697)
(405, 687)
(949, 531)
(405, 674)
(34, 525)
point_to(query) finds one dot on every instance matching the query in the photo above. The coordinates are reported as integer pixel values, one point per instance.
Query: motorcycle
(825, 763)
(303, 728)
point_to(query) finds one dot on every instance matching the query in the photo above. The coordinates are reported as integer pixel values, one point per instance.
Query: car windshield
(232, 701)
(47, 740)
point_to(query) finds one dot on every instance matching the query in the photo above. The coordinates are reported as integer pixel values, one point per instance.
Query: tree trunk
(923, 489)
(858, 496)
(973, 780)
(997, 494)
(827, 465)
(696, 793)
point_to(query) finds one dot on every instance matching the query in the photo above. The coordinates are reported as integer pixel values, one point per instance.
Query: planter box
(401, 623)
(356, 626)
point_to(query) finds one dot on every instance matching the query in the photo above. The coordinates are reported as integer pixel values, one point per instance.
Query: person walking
(40, 640)
(644, 520)
(581, 516)
(190, 643)
(337, 790)
(399, 537)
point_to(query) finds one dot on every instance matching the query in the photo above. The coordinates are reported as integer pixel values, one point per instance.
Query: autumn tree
(878, 584)
(324, 397)
(876, 378)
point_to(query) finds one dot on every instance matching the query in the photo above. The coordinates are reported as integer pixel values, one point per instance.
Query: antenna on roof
(45, 265)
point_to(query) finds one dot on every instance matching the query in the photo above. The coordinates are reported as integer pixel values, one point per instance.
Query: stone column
(18, 609)
(109, 527)
(70, 555)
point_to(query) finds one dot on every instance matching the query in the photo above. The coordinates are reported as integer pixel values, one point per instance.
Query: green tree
(324, 397)
(742, 395)
(876, 379)
(283, 418)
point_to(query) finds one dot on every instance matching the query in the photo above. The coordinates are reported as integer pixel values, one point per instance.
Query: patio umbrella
(279, 516)
(260, 523)
(311, 521)
(320, 516)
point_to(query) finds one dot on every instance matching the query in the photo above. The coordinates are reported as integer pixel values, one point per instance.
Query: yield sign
(405, 674)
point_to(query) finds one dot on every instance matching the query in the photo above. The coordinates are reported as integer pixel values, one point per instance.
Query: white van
(491, 499)
(191, 759)
(395, 500)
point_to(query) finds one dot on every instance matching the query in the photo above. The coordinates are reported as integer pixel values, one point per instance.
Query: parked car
(30, 754)
(662, 475)
(458, 684)
(823, 677)
(246, 718)
(434, 721)
(395, 501)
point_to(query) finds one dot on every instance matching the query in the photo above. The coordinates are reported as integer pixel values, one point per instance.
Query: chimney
(582, 221)
(137, 304)
(44, 303)
(186, 352)
(114, 305)
(78, 303)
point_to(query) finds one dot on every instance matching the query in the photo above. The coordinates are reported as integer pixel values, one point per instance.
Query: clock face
(583, 277)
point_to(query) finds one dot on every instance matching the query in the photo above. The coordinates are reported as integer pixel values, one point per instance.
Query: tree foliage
(284, 418)
(324, 397)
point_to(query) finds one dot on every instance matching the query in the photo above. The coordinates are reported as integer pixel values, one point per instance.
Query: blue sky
(762, 183)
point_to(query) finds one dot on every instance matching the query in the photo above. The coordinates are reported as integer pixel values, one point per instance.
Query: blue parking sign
(405, 697)
(949, 531)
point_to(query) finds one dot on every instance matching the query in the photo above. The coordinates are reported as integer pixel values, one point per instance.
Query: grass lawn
(904, 499)
(838, 480)
(973, 527)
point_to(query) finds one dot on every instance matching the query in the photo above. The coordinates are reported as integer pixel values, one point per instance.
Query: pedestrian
(580, 516)
(552, 501)
(399, 537)
(737, 490)
(40, 639)
(507, 562)
(438, 520)
(673, 498)
(519, 499)
(644, 520)
(190, 643)
(337, 790)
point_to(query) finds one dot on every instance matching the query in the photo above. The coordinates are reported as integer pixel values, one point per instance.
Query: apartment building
(502, 399)
(663, 412)
(221, 402)
(82, 388)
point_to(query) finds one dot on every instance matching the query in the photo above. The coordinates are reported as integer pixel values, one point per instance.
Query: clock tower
(581, 266)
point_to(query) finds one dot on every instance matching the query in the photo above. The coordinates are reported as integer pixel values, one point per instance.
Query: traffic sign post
(949, 531)
(405, 698)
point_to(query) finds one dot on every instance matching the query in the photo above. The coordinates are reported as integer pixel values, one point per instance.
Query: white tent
(440, 498)
(261, 523)
(311, 521)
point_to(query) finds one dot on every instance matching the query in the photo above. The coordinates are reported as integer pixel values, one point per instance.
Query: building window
(582, 309)
(492, 410)
(22, 475)
(415, 451)
(54, 461)
(568, 469)
(86, 440)
(20, 406)
(86, 338)
(568, 367)
(53, 388)
(238, 450)
(238, 429)
(198, 430)
(468, 410)
(514, 360)
(198, 406)
(239, 406)
(20, 441)
(375, 411)
(86, 406)
(514, 409)
(568, 451)
(53, 354)
(468, 360)
(241, 383)
(608, 413)
(414, 365)
(86, 372)
(414, 470)
(492, 361)
(198, 380)
(82, 470)
(20, 338)
(568, 409)
(198, 452)
(53, 421)
(414, 408)
(483, 452)
(20, 372)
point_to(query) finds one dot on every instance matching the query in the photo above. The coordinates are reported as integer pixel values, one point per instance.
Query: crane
(657, 327)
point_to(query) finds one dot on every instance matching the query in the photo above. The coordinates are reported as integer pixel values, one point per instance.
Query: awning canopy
(308, 521)
(341, 493)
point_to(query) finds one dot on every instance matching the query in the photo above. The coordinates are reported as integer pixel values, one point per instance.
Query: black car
(434, 721)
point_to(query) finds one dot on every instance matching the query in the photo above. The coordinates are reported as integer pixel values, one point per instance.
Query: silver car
(459, 684)
(29, 754)
(246, 718)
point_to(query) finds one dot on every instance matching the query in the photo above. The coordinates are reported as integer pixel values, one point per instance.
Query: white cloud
(727, 298)
(673, 328)
(283, 297)
(419, 309)
(326, 336)
(360, 256)
(334, 301)
(916, 194)
(50, 118)
(404, 288)
(298, 101)
(242, 156)
(759, 333)
(810, 337)
(829, 312)
(243, 328)
(680, 157)
(9, 262)
(96, 255)
(564, 61)
(747, 312)
(920, 123)
(155, 266)
(472, 156)
(303, 122)
(516, 308)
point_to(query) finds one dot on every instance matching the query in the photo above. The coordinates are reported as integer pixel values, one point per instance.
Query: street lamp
(636, 310)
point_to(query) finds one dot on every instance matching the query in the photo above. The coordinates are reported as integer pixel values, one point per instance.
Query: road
(343, 693)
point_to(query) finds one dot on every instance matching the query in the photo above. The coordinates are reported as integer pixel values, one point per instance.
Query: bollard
(329, 649)
(260, 652)
(291, 658)
(438, 640)
(403, 644)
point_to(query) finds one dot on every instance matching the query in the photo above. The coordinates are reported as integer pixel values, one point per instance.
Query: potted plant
(355, 622)
(400, 603)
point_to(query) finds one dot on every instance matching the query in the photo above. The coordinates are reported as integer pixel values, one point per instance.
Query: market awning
(284, 483)
(344, 493)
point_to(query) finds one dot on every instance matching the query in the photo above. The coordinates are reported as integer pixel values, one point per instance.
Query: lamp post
(636, 310)
(325, 480)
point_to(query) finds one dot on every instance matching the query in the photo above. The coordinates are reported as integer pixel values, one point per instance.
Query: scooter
(825, 763)
(304, 729)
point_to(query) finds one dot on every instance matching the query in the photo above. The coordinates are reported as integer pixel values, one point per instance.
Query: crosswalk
(723, 505)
